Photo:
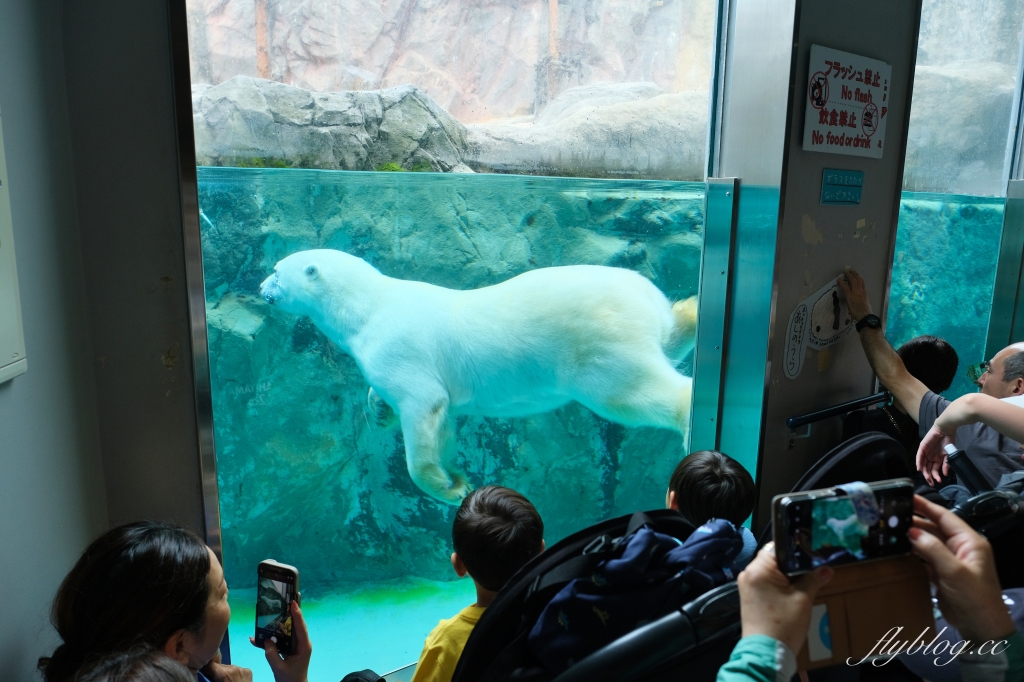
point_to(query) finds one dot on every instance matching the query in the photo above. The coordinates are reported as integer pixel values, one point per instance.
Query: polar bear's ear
(312, 272)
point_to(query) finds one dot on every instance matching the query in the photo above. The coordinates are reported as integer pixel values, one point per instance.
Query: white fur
(605, 337)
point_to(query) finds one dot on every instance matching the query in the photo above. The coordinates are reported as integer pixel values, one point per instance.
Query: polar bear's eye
(312, 271)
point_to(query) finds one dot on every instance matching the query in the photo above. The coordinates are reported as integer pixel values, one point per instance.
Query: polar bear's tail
(683, 336)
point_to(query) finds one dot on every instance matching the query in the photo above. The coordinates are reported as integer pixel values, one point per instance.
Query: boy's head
(496, 531)
(710, 485)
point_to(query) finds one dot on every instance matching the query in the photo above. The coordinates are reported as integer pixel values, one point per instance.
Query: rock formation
(252, 122)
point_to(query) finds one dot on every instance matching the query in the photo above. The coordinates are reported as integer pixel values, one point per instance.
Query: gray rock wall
(620, 91)
(632, 130)
(253, 122)
(480, 61)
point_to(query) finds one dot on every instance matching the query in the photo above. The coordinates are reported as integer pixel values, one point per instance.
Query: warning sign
(847, 99)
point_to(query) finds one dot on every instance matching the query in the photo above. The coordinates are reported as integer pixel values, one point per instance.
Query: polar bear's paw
(684, 329)
(382, 413)
(459, 489)
(685, 313)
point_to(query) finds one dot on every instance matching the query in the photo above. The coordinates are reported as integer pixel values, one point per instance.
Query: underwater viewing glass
(482, 184)
(975, 371)
(951, 211)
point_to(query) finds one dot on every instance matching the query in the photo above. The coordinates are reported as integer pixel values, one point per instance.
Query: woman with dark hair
(157, 585)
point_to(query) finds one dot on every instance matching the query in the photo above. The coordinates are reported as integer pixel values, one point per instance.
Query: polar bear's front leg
(429, 441)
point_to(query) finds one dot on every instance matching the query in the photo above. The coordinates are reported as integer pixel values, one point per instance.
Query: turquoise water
(381, 626)
(943, 273)
(305, 474)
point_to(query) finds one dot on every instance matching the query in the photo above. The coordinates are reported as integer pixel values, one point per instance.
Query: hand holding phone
(276, 588)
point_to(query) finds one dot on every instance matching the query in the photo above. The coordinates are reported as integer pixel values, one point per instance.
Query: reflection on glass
(944, 273)
(967, 70)
(596, 88)
(314, 474)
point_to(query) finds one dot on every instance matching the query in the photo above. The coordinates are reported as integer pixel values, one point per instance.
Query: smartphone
(834, 526)
(276, 587)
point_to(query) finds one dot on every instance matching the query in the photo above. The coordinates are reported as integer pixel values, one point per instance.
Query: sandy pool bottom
(381, 626)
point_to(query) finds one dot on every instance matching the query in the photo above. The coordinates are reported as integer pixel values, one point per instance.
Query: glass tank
(479, 160)
(944, 272)
(960, 144)
(309, 471)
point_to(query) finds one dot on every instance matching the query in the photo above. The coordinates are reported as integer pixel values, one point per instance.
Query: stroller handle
(836, 410)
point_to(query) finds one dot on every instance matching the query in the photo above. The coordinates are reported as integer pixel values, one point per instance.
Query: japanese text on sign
(847, 100)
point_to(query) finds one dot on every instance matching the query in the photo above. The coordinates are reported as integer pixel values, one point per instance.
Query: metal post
(715, 278)
(1004, 325)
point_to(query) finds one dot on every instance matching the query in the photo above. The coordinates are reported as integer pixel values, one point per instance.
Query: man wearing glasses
(1002, 377)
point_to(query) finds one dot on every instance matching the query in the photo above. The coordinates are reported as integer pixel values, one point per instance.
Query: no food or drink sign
(847, 99)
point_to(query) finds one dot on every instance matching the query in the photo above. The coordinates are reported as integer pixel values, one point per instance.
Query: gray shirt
(993, 453)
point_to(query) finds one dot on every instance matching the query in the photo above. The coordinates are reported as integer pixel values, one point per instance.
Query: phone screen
(833, 530)
(273, 612)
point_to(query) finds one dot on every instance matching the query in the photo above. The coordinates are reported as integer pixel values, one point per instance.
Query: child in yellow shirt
(496, 531)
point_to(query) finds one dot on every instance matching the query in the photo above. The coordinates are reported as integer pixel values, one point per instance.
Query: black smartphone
(277, 587)
(832, 526)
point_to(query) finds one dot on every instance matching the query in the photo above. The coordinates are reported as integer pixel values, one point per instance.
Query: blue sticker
(841, 187)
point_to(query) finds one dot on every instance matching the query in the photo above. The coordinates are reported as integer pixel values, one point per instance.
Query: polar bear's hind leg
(429, 439)
(659, 396)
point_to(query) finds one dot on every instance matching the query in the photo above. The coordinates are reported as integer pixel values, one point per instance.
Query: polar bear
(603, 336)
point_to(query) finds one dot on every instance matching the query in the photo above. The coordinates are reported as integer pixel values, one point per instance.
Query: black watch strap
(872, 321)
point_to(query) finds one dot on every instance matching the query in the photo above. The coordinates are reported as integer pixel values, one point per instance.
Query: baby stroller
(699, 636)
(696, 639)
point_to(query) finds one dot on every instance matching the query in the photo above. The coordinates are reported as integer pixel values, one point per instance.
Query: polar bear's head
(312, 282)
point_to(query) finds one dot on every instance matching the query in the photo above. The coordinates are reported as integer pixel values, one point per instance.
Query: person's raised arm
(883, 358)
(1004, 417)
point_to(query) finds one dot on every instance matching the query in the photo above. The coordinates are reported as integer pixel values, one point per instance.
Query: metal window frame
(192, 237)
(1013, 164)
(710, 353)
(1006, 319)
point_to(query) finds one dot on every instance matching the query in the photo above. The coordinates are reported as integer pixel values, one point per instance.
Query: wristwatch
(870, 321)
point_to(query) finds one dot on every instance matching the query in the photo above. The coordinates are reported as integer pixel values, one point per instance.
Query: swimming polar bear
(602, 336)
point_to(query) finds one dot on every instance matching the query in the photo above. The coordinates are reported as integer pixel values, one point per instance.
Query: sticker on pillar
(820, 321)
(847, 99)
(841, 187)
(819, 634)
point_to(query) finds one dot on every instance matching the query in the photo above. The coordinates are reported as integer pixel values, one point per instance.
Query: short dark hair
(138, 664)
(712, 485)
(496, 531)
(135, 585)
(930, 360)
(1013, 367)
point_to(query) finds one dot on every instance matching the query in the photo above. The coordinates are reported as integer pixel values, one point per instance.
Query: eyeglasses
(975, 371)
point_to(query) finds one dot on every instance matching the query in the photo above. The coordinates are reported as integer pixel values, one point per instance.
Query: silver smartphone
(276, 588)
